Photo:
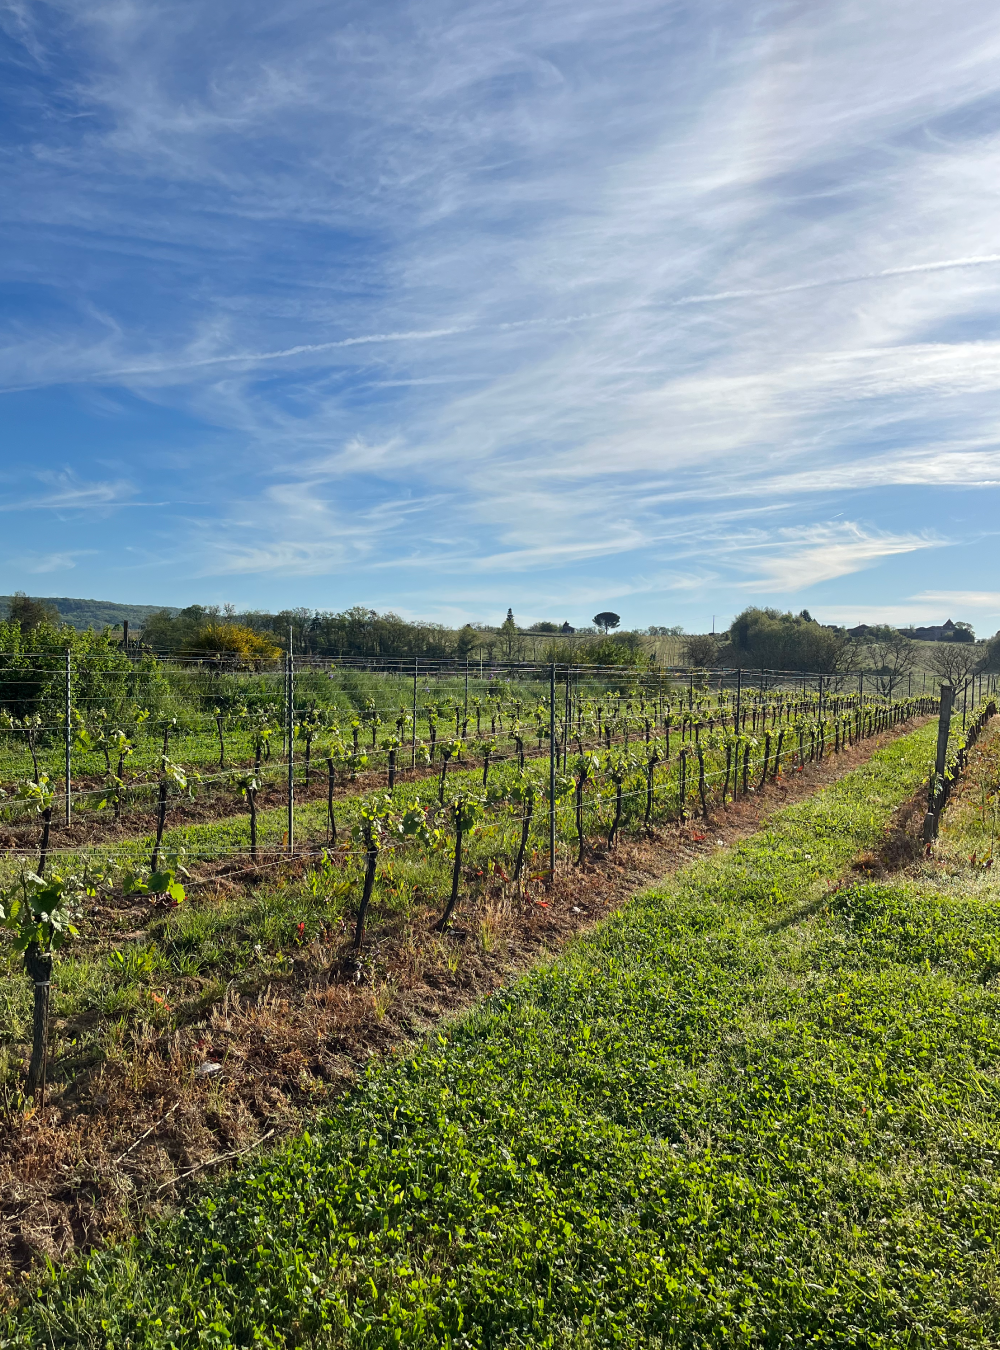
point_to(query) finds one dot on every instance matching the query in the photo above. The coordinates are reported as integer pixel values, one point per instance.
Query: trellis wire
(510, 675)
(756, 763)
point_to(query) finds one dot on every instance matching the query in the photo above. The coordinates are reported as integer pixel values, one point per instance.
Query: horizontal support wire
(279, 766)
(754, 764)
(389, 714)
(197, 663)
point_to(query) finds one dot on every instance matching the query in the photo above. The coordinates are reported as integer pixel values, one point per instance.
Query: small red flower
(302, 929)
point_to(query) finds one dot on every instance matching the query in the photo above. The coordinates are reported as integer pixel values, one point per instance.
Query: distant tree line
(769, 639)
(79, 614)
(757, 638)
(365, 633)
(355, 632)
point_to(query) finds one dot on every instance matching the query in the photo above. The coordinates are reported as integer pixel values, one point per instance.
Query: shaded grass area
(702, 1127)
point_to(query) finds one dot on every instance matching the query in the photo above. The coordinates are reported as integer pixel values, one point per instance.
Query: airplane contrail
(431, 334)
(417, 335)
(750, 293)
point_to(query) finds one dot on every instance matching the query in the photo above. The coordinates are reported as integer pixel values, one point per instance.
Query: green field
(753, 1108)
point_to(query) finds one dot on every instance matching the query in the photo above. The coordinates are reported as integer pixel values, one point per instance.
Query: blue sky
(662, 307)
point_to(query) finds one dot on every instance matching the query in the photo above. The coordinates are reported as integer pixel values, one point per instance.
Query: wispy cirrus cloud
(54, 491)
(988, 600)
(799, 558)
(418, 304)
(39, 563)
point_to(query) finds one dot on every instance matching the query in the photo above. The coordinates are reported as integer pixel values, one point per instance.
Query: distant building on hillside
(936, 632)
(942, 632)
(566, 629)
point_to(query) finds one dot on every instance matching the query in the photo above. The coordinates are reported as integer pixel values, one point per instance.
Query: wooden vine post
(944, 727)
(38, 965)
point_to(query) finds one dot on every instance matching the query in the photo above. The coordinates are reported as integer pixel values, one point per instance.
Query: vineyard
(205, 867)
(144, 746)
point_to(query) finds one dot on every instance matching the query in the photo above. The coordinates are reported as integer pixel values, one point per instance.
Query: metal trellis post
(69, 736)
(565, 730)
(552, 771)
(291, 744)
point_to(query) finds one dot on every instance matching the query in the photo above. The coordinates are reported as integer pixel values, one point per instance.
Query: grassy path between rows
(750, 1109)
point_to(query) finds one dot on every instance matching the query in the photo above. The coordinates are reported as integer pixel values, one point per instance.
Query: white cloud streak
(988, 600)
(308, 351)
(66, 493)
(52, 562)
(804, 557)
(462, 292)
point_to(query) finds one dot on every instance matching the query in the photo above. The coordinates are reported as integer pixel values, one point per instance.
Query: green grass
(746, 1111)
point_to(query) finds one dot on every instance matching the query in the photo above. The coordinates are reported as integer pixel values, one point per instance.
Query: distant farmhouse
(938, 632)
(942, 632)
